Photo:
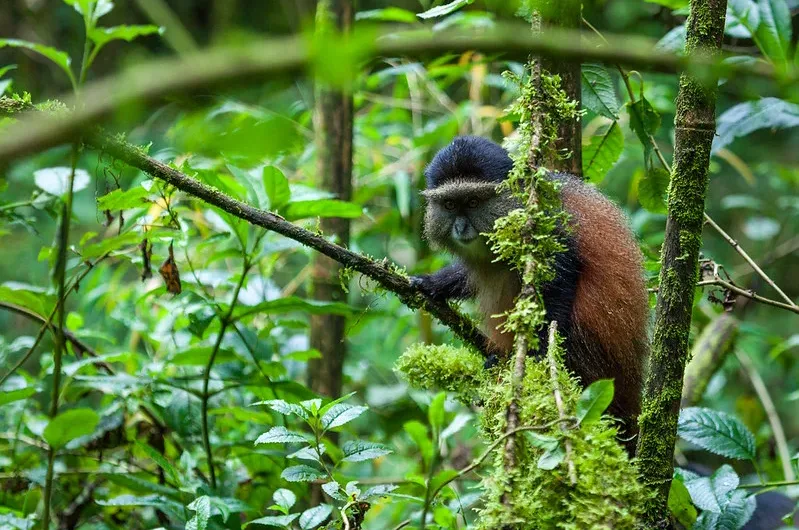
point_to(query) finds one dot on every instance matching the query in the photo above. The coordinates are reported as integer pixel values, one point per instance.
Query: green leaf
(9, 396)
(160, 461)
(388, 14)
(55, 180)
(284, 407)
(594, 400)
(301, 473)
(313, 517)
(734, 516)
(284, 498)
(111, 244)
(27, 296)
(717, 432)
(644, 120)
(680, 503)
(551, 458)
(70, 425)
(446, 9)
(745, 118)
(91, 10)
(276, 186)
(673, 41)
(359, 450)
(378, 491)
(280, 521)
(102, 36)
(598, 94)
(653, 189)
(671, 4)
(135, 197)
(743, 18)
(418, 433)
(280, 435)
(774, 32)
(308, 453)
(61, 59)
(601, 152)
(333, 489)
(202, 507)
(341, 414)
(294, 211)
(445, 476)
(435, 414)
(293, 304)
(723, 506)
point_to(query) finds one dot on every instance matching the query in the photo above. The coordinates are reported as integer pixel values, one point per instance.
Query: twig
(771, 413)
(748, 294)
(775, 484)
(553, 372)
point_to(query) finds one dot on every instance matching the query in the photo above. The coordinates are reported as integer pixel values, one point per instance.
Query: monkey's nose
(463, 232)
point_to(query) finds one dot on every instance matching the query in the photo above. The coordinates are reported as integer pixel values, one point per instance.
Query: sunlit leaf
(774, 32)
(388, 14)
(69, 425)
(321, 208)
(301, 473)
(313, 517)
(61, 59)
(284, 498)
(55, 180)
(102, 36)
(359, 450)
(594, 400)
(341, 414)
(280, 435)
(9, 396)
(276, 186)
(446, 9)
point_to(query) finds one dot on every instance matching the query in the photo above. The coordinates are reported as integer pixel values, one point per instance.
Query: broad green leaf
(680, 504)
(308, 453)
(601, 152)
(199, 355)
(303, 356)
(284, 407)
(387, 14)
(55, 180)
(378, 491)
(445, 476)
(122, 241)
(551, 458)
(102, 36)
(734, 515)
(774, 32)
(279, 521)
(717, 432)
(743, 18)
(135, 197)
(673, 41)
(276, 186)
(301, 473)
(280, 435)
(418, 433)
(27, 296)
(313, 517)
(712, 493)
(9, 396)
(653, 188)
(446, 9)
(202, 508)
(294, 211)
(594, 400)
(284, 498)
(745, 118)
(293, 304)
(435, 414)
(341, 414)
(333, 489)
(359, 450)
(598, 94)
(644, 120)
(70, 425)
(61, 59)
(160, 461)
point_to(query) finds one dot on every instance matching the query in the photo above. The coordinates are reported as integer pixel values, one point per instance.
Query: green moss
(455, 369)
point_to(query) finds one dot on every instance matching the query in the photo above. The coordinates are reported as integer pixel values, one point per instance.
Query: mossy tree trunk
(333, 125)
(694, 131)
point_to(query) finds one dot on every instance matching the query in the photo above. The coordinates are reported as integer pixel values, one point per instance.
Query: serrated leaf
(340, 414)
(359, 450)
(653, 189)
(594, 401)
(55, 180)
(280, 521)
(598, 94)
(135, 197)
(61, 59)
(102, 36)
(296, 210)
(9, 396)
(734, 515)
(680, 503)
(313, 517)
(717, 432)
(774, 31)
(745, 118)
(202, 508)
(333, 489)
(644, 120)
(280, 435)
(378, 491)
(301, 473)
(284, 407)
(276, 186)
(284, 498)
(446, 9)
(308, 453)
(70, 425)
(601, 152)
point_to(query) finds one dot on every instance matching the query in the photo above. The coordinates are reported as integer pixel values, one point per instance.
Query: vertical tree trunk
(565, 14)
(333, 124)
(694, 130)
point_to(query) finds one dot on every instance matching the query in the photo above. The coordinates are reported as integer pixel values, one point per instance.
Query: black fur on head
(467, 158)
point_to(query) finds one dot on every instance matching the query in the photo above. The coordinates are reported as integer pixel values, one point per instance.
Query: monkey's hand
(448, 283)
(429, 286)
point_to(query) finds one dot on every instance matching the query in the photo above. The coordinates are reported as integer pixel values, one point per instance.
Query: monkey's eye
(473, 203)
(449, 205)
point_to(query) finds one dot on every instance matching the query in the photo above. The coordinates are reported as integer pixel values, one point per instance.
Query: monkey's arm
(450, 282)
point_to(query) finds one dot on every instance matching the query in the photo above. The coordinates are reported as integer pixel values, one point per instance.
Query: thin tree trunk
(333, 121)
(565, 14)
(694, 130)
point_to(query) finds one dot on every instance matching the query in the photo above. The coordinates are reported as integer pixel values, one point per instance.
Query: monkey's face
(459, 212)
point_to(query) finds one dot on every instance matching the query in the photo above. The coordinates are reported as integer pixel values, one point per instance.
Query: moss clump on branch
(454, 369)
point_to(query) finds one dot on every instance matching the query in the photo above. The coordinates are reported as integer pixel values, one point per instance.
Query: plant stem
(59, 279)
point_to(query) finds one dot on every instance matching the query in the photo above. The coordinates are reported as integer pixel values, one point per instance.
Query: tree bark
(333, 124)
(694, 130)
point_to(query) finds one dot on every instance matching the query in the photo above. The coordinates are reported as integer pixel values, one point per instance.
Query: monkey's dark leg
(451, 282)
(559, 294)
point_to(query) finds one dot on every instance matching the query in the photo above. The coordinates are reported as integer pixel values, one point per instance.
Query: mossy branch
(694, 131)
